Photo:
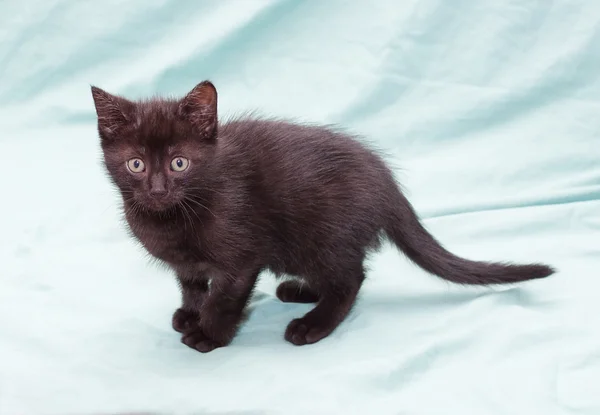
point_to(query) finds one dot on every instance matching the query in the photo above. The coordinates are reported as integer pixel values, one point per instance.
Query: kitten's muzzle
(158, 203)
(158, 192)
(158, 186)
(159, 198)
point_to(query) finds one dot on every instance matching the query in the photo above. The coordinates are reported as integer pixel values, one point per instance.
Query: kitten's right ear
(199, 106)
(114, 113)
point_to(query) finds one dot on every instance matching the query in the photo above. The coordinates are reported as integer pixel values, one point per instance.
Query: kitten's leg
(292, 291)
(194, 289)
(337, 297)
(222, 312)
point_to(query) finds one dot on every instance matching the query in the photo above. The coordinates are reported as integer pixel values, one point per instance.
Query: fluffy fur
(305, 201)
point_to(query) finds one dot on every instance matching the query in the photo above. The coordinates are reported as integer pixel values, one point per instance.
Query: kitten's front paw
(184, 320)
(196, 339)
(303, 331)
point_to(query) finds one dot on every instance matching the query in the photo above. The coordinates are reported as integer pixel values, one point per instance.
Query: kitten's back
(317, 159)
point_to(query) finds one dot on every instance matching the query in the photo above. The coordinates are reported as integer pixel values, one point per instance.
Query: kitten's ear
(114, 113)
(200, 108)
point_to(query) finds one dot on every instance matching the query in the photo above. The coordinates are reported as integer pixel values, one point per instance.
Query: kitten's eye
(136, 165)
(179, 164)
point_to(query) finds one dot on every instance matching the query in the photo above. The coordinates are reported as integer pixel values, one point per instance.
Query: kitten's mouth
(161, 204)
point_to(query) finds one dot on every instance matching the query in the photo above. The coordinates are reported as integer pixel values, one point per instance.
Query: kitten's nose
(158, 186)
(158, 192)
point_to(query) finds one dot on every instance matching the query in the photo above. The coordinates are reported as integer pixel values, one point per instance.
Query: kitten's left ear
(200, 108)
(114, 113)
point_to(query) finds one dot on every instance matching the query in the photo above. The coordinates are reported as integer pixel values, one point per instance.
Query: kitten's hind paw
(184, 320)
(197, 340)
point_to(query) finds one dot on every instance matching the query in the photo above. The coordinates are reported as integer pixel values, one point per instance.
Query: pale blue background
(490, 110)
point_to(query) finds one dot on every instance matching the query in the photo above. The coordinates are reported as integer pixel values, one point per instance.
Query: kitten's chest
(167, 240)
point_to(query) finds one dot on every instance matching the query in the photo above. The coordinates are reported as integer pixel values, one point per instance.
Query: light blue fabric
(490, 111)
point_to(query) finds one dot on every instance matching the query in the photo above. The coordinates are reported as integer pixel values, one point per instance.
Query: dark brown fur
(300, 200)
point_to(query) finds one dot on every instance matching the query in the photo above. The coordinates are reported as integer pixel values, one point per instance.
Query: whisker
(194, 212)
(203, 189)
(186, 209)
(199, 204)
(185, 216)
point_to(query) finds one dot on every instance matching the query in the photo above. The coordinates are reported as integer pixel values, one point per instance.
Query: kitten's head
(156, 151)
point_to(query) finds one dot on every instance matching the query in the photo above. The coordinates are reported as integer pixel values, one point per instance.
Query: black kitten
(221, 203)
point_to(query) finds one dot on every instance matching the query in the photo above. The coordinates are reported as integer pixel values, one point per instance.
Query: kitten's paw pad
(199, 341)
(302, 331)
(184, 320)
(296, 292)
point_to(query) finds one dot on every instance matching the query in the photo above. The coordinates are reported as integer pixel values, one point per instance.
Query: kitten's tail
(407, 232)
